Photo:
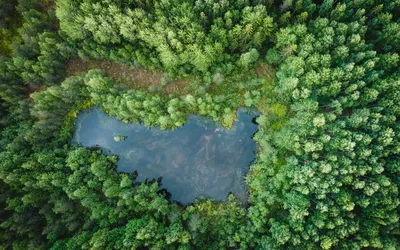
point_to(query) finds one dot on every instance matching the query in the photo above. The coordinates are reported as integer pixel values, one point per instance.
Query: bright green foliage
(136, 106)
(76, 194)
(327, 172)
(337, 184)
(215, 33)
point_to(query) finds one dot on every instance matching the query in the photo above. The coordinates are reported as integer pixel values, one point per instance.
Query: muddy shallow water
(200, 158)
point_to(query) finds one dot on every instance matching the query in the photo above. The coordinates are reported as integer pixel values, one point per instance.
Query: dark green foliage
(11, 91)
(327, 173)
(76, 195)
(9, 22)
(47, 65)
(51, 107)
(39, 54)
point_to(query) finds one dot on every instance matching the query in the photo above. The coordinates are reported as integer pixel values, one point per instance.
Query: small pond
(200, 158)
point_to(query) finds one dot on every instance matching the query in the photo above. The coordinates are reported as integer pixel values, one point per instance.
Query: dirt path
(129, 76)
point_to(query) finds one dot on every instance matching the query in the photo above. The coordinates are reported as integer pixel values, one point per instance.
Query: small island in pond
(118, 138)
(200, 158)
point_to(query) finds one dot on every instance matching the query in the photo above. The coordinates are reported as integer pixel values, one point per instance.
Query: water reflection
(200, 158)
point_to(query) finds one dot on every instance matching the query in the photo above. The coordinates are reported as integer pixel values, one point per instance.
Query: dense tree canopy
(323, 74)
(342, 133)
(179, 36)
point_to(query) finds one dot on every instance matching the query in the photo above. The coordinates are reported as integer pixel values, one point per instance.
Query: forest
(323, 74)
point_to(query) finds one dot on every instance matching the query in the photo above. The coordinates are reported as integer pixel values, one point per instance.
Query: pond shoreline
(201, 158)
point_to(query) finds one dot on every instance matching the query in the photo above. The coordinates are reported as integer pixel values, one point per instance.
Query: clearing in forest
(144, 79)
(130, 76)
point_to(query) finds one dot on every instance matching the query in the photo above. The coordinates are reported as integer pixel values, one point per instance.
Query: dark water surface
(200, 158)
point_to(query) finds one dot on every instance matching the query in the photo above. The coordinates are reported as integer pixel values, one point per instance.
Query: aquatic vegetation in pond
(200, 158)
(119, 138)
